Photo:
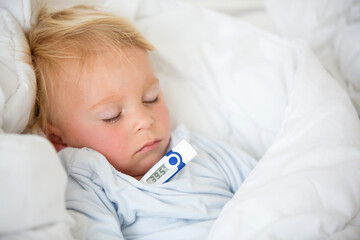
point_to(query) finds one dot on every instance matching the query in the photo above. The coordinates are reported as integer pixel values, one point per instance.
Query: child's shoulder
(83, 161)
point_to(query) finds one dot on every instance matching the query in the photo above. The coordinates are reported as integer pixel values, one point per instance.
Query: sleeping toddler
(100, 104)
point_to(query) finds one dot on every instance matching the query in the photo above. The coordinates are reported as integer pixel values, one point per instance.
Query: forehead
(84, 65)
(104, 63)
(105, 73)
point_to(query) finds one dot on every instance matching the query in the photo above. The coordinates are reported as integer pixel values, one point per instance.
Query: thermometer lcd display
(170, 164)
(157, 174)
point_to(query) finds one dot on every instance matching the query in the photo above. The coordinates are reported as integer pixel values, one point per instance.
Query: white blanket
(331, 28)
(269, 96)
(306, 186)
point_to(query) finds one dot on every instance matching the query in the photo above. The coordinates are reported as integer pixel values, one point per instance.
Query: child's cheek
(164, 117)
(114, 146)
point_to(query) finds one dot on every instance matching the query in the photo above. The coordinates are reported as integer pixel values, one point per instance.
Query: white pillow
(17, 78)
(33, 184)
(21, 10)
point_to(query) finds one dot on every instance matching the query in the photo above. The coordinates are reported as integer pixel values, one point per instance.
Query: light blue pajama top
(118, 206)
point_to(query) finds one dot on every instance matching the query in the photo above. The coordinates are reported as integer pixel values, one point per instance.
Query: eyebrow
(108, 99)
(103, 101)
(152, 82)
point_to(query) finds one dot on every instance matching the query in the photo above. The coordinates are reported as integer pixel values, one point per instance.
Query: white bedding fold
(32, 190)
(331, 28)
(307, 185)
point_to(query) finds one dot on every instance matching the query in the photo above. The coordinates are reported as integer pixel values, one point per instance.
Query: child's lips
(148, 146)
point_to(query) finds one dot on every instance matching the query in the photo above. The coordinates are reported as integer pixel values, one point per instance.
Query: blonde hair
(76, 32)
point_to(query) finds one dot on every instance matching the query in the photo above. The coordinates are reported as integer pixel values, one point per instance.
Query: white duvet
(331, 28)
(227, 79)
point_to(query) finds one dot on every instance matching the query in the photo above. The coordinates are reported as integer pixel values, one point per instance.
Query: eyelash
(152, 101)
(117, 117)
(112, 120)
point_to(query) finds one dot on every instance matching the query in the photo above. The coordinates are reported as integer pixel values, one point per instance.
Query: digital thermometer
(170, 164)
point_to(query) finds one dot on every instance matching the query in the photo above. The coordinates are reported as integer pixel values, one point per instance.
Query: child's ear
(55, 137)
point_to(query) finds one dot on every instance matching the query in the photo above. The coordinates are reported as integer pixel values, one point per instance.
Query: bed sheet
(269, 96)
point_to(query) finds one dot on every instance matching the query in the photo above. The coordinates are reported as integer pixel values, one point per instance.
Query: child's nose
(142, 120)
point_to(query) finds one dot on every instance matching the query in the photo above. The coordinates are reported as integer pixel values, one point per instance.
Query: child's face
(116, 108)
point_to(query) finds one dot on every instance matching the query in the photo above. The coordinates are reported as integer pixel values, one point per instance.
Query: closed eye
(152, 101)
(113, 119)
